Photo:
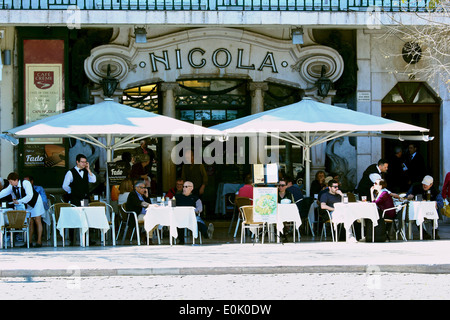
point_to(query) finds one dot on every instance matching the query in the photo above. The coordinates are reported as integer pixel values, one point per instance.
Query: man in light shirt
(76, 184)
(76, 181)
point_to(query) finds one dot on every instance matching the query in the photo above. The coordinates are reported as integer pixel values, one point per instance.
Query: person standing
(23, 192)
(76, 184)
(396, 178)
(370, 175)
(414, 165)
(194, 172)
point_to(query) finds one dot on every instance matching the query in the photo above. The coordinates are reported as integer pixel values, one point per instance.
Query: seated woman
(319, 183)
(126, 186)
(283, 193)
(381, 196)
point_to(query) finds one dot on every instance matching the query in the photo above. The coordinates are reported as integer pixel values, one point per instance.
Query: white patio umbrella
(308, 123)
(118, 124)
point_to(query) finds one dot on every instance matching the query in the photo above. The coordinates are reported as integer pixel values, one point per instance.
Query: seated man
(428, 192)
(177, 190)
(327, 201)
(188, 199)
(295, 190)
(138, 200)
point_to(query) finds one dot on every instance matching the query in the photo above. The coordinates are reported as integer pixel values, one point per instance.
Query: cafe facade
(209, 66)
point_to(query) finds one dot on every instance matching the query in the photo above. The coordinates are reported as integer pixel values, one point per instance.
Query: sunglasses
(282, 185)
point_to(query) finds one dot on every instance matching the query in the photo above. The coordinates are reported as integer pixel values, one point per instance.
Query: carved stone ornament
(98, 66)
(312, 58)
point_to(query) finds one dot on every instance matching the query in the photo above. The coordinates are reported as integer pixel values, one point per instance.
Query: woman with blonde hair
(126, 186)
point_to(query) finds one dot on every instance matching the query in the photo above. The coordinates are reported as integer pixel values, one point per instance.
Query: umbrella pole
(108, 159)
(307, 165)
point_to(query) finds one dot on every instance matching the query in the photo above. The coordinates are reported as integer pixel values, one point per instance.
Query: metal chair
(17, 222)
(112, 217)
(135, 228)
(55, 210)
(324, 228)
(398, 217)
(248, 223)
(239, 202)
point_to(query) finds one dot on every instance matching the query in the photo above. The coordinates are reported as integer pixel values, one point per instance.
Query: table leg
(434, 229)
(410, 230)
(421, 231)
(82, 238)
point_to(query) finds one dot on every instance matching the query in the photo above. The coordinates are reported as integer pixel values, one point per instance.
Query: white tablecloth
(82, 218)
(287, 213)
(418, 211)
(347, 213)
(421, 210)
(174, 217)
(222, 190)
(2, 224)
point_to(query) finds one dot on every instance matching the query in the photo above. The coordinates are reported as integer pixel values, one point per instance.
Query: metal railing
(221, 5)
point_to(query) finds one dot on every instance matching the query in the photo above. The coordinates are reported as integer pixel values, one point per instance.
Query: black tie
(17, 192)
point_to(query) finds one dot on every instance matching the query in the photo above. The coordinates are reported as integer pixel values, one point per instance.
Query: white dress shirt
(69, 178)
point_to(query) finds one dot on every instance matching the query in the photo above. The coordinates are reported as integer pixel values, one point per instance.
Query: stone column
(257, 105)
(168, 108)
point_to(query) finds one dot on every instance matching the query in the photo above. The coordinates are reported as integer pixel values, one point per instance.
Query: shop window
(142, 97)
(211, 101)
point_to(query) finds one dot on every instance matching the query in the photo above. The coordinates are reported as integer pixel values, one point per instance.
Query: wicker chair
(247, 223)
(17, 222)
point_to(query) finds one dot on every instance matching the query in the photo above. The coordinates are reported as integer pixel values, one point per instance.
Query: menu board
(265, 201)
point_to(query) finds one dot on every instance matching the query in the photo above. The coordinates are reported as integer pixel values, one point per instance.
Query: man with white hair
(189, 199)
(428, 192)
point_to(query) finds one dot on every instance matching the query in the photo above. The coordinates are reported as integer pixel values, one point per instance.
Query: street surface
(303, 286)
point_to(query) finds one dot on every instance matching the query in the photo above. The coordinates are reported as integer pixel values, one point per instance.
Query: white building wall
(6, 104)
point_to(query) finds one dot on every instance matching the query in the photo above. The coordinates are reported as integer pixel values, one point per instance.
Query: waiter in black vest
(23, 193)
(370, 175)
(76, 184)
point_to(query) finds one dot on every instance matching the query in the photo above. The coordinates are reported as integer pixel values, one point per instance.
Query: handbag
(446, 208)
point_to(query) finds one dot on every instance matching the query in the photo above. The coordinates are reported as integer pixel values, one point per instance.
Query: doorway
(415, 103)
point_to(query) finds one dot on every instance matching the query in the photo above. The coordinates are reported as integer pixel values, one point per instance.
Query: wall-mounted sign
(44, 82)
(364, 96)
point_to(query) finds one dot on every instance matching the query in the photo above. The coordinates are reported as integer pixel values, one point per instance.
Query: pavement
(226, 255)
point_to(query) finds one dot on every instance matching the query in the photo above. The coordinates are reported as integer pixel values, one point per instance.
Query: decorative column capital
(253, 86)
(166, 86)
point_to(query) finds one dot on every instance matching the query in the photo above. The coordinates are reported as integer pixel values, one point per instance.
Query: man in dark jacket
(415, 165)
(372, 173)
(138, 200)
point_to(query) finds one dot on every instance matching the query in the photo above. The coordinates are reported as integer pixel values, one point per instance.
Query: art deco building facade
(212, 61)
